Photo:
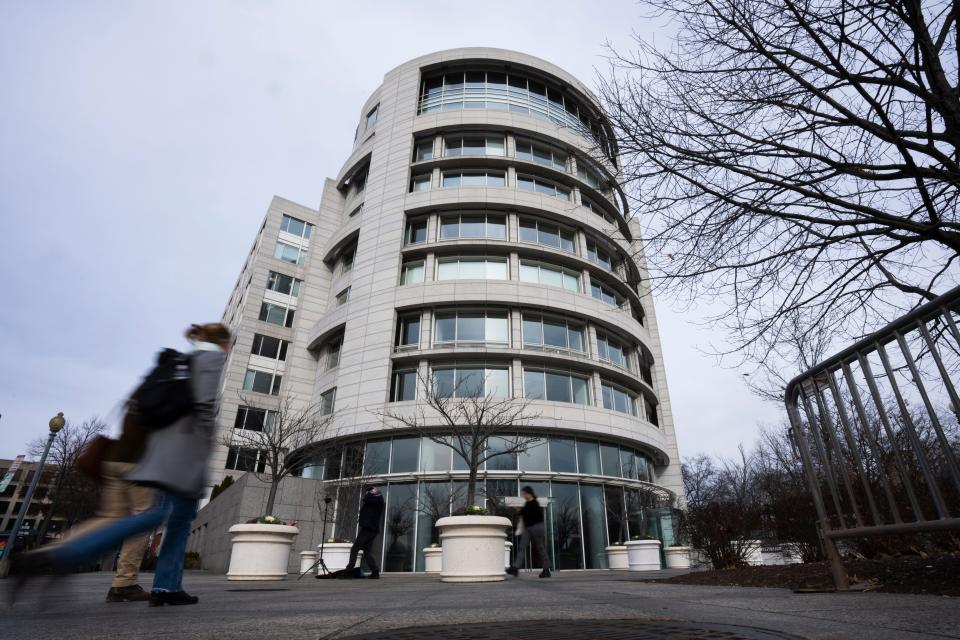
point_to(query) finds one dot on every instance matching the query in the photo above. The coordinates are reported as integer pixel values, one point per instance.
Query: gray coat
(176, 456)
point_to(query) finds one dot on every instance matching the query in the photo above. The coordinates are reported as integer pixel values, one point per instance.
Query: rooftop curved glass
(519, 93)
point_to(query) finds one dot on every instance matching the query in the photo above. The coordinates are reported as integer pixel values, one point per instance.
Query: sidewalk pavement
(73, 608)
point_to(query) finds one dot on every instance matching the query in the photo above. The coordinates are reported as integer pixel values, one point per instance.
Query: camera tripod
(323, 539)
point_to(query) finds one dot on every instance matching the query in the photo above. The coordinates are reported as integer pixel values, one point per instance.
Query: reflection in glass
(563, 455)
(399, 527)
(535, 458)
(588, 456)
(405, 454)
(594, 536)
(566, 523)
(376, 457)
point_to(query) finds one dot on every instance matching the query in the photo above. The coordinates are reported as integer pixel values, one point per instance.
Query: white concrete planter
(617, 557)
(260, 551)
(677, 557)
(507, 548)
(307, 559)
(473, 548)
(433, 559)
(336, 555)
(643, 555)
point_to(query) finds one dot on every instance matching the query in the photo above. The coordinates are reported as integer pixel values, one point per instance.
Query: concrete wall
(246, 499)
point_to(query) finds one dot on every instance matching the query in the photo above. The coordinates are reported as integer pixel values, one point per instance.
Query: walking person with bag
(107, 461)
(178, 402)
(530, 528)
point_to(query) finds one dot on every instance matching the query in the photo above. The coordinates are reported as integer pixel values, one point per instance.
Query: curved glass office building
(477, 237)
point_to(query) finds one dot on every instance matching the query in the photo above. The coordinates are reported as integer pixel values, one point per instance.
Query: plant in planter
(643, 553)
(471, 418)
(261, 551)
(677, 556)
(475, 510)
(617, 556)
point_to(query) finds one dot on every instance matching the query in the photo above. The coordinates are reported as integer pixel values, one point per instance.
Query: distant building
(11, 500)
(477, 234)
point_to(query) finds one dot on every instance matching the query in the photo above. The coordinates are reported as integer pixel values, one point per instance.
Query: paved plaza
(73, 609)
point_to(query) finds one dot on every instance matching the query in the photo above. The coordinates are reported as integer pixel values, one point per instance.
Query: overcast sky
(141, 143)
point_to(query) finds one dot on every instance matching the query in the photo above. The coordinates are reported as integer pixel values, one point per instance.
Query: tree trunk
(472, 481)
(272, 496)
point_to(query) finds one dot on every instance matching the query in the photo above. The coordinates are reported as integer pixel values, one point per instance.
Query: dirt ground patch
(938, 575)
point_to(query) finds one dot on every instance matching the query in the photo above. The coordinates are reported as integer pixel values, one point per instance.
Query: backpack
(166, 394)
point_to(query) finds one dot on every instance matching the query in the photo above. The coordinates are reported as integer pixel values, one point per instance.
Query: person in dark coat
(531, 515)
(174, 462)
(371, 514)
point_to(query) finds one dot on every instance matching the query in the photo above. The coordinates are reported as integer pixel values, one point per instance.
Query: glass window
(594, 516)
(598, 255)
(542, 154)
(536, 457)
(346, 259)
(411, 272)
(473, 226)
(408, 332)
(610, 457)
(530, 183)
(333, 353)
(563, 455)
(326, 401)
(376, 457)
(473, 179)
(548, 274)
(269, 347)
(434, 456)
(618, 399)
(606, 294)
(616, 514)
(549, 333)
(501, 461)
(566, 516)
(289, 253)
(612, 350)
(588, 456)
(651, 410)
(588, 175)
(404, 386)
(423, 150)
(262, 382)
(554, 386)
(295, 226)
(252, 419)
(405, 454)
(372, 116)
(457, 268)
(276, 314)
(282, 283)
(472, 326)
(420, 182)
(548, 235)
(628, 464)
(343, 297)
(416, 232)
(474, 146)
(471, 382)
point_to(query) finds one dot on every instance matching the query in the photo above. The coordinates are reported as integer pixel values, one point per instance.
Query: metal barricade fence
(876, 427)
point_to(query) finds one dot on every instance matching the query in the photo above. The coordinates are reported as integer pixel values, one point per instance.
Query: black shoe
(374, 575)
(545, 573)
(513, 571)
(172, 598)
(133, 593)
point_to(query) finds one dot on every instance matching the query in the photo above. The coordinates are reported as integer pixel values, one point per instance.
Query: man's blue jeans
(176, 510)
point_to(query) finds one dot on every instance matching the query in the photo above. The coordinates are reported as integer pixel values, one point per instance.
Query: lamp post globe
(57, 422)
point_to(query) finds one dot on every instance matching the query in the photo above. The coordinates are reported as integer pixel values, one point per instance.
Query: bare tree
(469, 422)
(73, 495)
(798, 161)
(288, 427)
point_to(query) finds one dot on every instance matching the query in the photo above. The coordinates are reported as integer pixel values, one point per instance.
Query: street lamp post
(56, 423)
